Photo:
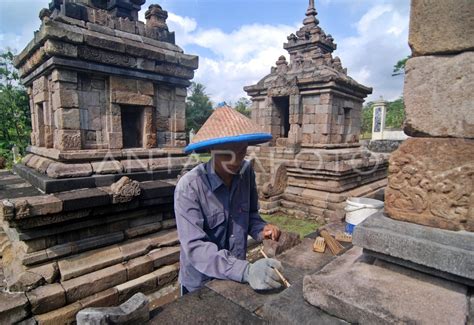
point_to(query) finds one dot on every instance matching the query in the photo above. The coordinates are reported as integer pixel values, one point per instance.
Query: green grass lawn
(203, 157)
(302, 227)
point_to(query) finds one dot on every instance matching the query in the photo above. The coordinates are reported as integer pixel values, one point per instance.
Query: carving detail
(278, 185)
(125, 190)
(443, 194)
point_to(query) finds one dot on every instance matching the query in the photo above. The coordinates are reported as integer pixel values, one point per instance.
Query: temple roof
(311, 59)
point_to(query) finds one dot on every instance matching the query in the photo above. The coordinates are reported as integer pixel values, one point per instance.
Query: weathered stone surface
(434, 85)
(13, 307)
(87, 262)
(125, 190)
(286, 241)
(200, 308)
(133, 311)
(60, 170)
(46, 298)
(138, 267)
(431, 182)
(441, 27)
(63, 315)
(94, 282)
(104, 298)
(442, 250)
(303, 257)
(164, 256)
(289, 307)
(360, 292)
(107, 167)
(145, 284)
(167, 274)
(49, 272)
(37, 206)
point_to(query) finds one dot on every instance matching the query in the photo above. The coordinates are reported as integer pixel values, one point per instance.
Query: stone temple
(88, 219)
(313, 110)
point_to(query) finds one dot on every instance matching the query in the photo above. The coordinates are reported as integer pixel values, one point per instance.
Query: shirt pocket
(215, 220)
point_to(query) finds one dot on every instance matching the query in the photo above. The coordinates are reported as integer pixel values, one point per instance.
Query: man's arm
(196, 245)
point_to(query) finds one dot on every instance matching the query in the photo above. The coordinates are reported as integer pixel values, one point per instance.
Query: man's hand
(271, 232)
(261, 275)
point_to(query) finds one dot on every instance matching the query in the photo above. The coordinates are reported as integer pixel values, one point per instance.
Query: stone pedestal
(367, 291)
(444, 253)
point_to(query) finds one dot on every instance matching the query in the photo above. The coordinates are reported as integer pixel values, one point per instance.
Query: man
(216, 207)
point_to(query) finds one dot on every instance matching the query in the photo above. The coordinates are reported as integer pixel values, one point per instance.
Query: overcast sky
(238, 41)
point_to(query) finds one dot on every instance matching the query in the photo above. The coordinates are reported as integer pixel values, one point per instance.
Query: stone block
(135, 165)
(286, 241)
(49, 272)
(115, 140)
(145, 284)
(123, 84)
(128, 98)
(13, 307)
(145, 87)
(67, 139)
(46, 298)
(164, 238)
(164, 256)
(431, 182)
(104, 298)
(143, 229)
(94, 282)
(438, 97)
(60, 170)
(87, 262)
(134, 248)
(67, 118)
(441, 27)
(442, 250)
(139, 266)
(202, 305)
(64, 315)
(65, 98)
(83, 199)
(133, 311)
(177, 125)
(64, 75)
(167, 274)
(357, 291)
(107, 167)
(37, 206)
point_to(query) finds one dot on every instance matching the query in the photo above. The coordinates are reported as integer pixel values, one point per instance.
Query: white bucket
(358, 209)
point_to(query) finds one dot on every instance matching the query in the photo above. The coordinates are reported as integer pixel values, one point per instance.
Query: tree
(198, 107)
(14, 108)
(399, 67)
(395, 114)
(243, 106)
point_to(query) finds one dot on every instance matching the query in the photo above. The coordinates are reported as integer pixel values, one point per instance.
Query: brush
(319, 245)
(333, 244)
(285, 282)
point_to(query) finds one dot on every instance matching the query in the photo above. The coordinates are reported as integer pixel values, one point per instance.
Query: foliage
(395, 114)
(14, 109)
(366, 125)
(286, 223)
(198, 107)
(243, 106)
(399, 67)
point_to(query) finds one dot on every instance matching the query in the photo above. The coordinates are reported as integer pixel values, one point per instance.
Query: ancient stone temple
(90, 221)
(313, 110)
(417, 263)
(105, 89)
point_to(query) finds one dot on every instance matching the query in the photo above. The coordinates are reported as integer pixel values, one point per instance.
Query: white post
(378, 119)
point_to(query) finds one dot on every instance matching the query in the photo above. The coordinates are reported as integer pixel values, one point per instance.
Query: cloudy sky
(238, 41)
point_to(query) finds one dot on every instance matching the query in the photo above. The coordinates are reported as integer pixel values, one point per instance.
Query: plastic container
(358, 209)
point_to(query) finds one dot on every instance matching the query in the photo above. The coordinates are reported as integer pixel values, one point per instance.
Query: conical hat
(226, 125)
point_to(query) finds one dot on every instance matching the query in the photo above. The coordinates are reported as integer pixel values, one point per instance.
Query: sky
(239, 41)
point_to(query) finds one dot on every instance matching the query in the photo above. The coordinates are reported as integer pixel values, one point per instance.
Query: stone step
(13, 307)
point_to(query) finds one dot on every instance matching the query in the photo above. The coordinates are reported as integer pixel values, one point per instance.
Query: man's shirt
(213, 224)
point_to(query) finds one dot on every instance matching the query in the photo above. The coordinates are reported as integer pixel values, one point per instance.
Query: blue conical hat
(226, 125)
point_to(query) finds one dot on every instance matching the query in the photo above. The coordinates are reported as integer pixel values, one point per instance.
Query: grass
(203, 157)
(302, 227)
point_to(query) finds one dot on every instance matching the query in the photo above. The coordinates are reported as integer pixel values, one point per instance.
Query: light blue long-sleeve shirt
(213, 224)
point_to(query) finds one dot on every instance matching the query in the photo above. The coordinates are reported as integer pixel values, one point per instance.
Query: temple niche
(104, 86)
(313, 110)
